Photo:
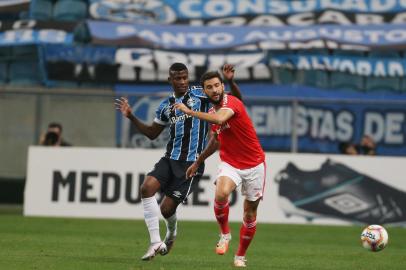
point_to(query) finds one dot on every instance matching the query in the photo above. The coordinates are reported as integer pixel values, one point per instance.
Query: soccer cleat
(239, 261)
(153, 250)
(169, 241)
(338, 191)
(222, 245)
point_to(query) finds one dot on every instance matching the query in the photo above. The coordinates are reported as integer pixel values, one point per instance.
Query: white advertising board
(300, 188)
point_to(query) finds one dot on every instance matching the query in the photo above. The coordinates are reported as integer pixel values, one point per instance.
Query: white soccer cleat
(222, 245)
(239, 261)
(153, 250)
(169, 241)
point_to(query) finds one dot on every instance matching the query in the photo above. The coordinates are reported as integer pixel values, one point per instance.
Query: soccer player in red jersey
(242, 161)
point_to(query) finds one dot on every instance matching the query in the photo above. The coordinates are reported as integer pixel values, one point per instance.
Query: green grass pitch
(62, 243)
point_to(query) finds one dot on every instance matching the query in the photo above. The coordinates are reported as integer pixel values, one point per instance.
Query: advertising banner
(317, 189)
(135, 65)
(361, 66)
(181, 37)
(250, 12)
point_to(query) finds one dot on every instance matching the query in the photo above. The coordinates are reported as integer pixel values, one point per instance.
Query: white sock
(151, 216)
(171, 225)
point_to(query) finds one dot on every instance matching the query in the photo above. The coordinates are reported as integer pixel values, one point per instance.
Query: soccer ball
(374, 238)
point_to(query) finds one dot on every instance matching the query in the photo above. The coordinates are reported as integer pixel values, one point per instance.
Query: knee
(149, 188)
(250, 215)
(221, 196)
(167, 210)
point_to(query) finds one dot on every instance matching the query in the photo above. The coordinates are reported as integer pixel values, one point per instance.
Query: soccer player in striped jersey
(188, 136)
(242, 161)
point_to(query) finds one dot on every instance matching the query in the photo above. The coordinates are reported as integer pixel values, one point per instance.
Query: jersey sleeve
(162, 114)
(231, 103)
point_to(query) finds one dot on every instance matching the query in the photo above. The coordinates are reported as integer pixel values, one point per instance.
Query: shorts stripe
(188, 190)
(264, 182)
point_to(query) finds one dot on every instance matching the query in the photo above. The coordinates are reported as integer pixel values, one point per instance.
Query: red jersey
(239, 144)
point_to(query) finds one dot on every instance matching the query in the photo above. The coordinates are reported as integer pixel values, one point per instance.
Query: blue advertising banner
(250, 12)
(25, 32)
(362, 66)
(79, 54)
(321, 124)
(179, 37)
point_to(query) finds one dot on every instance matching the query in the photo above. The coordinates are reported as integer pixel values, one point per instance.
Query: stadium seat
(70, 10)
(106, 72)
(24, 52)
(384, 54)
(3, 73)
(24, 73)
(63, 84)
(403, 85)
(341, 80)
(316, 78)
(81, 33)
(5, 53)
(283, 75)
(41, 9)
(313, 52)
(349, 53)
(379, 83)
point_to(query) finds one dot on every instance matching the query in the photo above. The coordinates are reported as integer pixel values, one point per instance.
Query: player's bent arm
(151, 131)
(228, 74)
(218, 118)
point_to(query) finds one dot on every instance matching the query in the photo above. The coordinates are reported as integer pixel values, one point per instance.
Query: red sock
(221, 210)
(247, 232)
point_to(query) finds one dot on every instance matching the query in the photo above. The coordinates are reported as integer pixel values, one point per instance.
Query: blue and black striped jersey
(188, 135)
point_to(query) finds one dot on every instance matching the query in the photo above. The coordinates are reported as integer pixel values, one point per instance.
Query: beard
(217, 102)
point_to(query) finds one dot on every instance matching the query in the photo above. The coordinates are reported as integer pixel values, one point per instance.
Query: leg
(224, 187)
(247, 231)
(252, 188)
(151, 208)
(151, 215)
(168, 211)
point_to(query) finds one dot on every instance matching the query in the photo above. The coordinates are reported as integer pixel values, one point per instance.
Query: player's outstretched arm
(151, 131)
(211, 147)
(228, 74)
(218, 118)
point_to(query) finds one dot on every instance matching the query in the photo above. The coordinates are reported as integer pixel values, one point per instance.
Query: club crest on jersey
(190, 103)
(221, 128)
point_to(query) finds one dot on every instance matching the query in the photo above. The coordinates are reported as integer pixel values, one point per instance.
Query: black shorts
(171, 174)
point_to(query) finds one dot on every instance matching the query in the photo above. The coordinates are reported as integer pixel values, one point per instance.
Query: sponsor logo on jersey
(175, 119)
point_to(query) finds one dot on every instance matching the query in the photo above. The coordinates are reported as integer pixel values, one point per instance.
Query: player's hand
(228, 72)
(191, 171)
(122, 105)
(181, 107)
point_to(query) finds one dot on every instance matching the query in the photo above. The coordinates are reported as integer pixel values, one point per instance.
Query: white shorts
(252, 180)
